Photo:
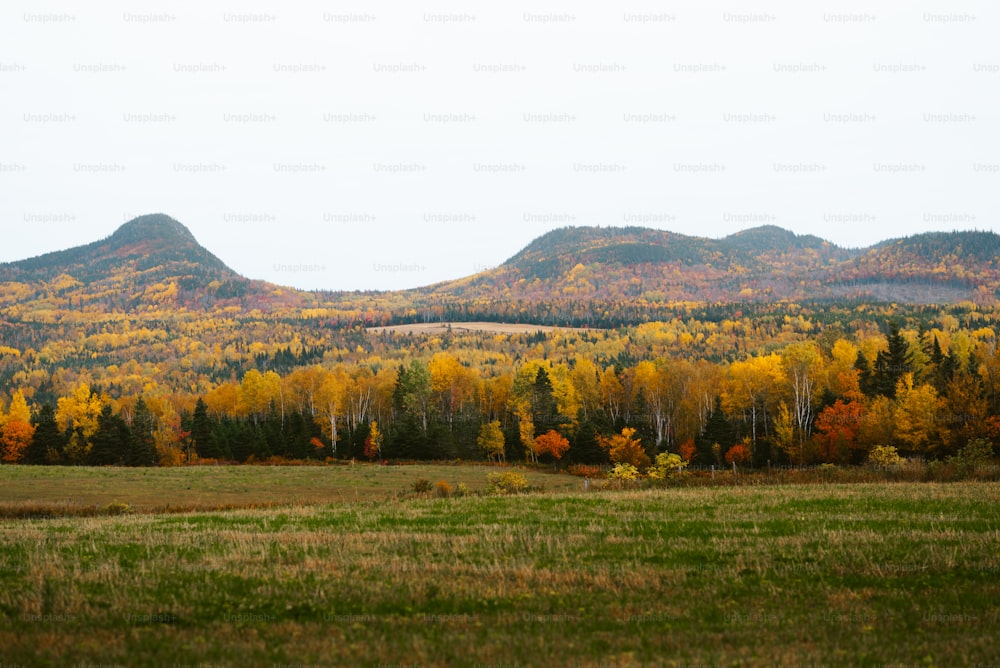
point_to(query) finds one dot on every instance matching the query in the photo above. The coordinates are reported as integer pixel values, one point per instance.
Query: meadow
(823, 574)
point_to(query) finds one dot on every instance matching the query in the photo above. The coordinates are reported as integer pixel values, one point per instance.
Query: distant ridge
(154, 259)
(763, 263)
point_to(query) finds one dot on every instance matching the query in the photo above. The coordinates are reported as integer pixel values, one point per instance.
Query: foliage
(667, 465)
(550, 443)
(885, 456)
(688, 450)
(443, 489)
(738, 454)
(973, 457)
(118, 508)
(507, 482)
(623, 471)
(373, 442)
(491, 441)
(585, 470)
(421, 485)
(626, 449)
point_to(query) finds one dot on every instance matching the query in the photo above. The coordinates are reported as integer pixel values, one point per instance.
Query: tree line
(825, 399)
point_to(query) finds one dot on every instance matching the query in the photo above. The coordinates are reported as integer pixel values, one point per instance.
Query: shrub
(884, 456)
(667, 465)
(624, 471)
(507, 482)
(462, 490)
(938, 471)
(421, 485)
(974, 456)
(442, 489)
(827, 471)
(585, 470)
(739, 453)
(118, 508)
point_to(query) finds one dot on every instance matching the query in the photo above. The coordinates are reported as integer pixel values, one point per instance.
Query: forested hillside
(144, 348)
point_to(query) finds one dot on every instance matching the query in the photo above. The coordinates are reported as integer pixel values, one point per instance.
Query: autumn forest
(145, 350)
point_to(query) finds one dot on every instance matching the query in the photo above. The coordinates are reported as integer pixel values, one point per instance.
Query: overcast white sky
(355, 145)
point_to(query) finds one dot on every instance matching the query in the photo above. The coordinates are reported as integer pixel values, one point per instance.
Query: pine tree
(866, 380)
(201, 431)
(110, 444)
(142, 451)
(47, 445)
(544, 408)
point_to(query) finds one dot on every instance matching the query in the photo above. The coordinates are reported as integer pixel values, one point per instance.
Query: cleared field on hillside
(70, 490)
(488, 327)
(794, 575)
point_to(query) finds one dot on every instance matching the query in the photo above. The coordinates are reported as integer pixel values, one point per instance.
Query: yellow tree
(613, 395)
(661, 390)
(915, 415)
(585, 377)
(301, 386)
(223, 401)
(258, 391)
(784, 432)
(841, 376)
(453, 385)
(373, 444)
(78, 413)
(360, 393)
(803, 370)
(491, 441)
(749, 388)
(17, 431)
(700, 383)
(526, 429)
(331, 399)
(383, 388)
(494, 396)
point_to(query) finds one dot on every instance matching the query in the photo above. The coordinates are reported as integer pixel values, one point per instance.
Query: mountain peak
(152, 226)
(144, 251)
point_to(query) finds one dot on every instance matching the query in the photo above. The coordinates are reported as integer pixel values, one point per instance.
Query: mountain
(156, 246)
(150, 261)
(759, 264)
(154, 265)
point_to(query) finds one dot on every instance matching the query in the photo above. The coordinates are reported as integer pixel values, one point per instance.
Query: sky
(384, 145)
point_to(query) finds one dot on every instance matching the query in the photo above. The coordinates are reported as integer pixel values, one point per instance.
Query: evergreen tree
(718, 430)
(544, 408)
(201, 432)
(866, 380)
(110, 444)
(47, 445)
(143, 447)
(892, 364)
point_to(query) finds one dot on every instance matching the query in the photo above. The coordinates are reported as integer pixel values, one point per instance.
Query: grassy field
(902, 574)
(27, 491)
(465, 327)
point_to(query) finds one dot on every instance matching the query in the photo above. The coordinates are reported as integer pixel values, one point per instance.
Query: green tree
(143, 446)
(201, 432)
(110, 443)
(544, 407)
(413, 393)
(892, 364)
(46, 446)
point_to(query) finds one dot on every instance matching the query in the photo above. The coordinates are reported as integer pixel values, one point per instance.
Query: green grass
(903, 573)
